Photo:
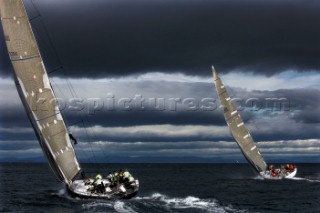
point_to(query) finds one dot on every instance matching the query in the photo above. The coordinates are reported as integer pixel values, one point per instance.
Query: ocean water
(165, 188)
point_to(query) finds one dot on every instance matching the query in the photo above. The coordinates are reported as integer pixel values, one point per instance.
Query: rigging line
(96, 138)
(72, 124)
(52, 71)
(90, 145)
(74, 95)
(47, 34)
(82, 149)
(85, 153)
(31, 19)
(56, 86)
(89, 141)
(79, 144)
(71, 88)
(54, 49)
(92, 131)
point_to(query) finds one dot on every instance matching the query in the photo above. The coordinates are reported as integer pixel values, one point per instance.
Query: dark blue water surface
(165, 188)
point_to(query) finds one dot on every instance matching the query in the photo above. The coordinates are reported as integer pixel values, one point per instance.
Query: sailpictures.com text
(139, 103)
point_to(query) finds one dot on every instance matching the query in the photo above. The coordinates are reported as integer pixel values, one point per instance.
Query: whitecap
(121, 207)
(189, 202)
(306, 179)
(96, 205)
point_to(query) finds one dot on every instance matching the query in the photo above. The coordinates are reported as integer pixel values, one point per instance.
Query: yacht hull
(287, 175)
(78, 188)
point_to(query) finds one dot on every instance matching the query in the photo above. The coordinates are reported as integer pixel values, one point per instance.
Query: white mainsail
(35, 91)
(237, 127)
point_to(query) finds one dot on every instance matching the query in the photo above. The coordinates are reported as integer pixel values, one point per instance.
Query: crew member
(113, 179)
(75, 142)
(121, 178)
(98, 184)
(128, 177)
(89, 183)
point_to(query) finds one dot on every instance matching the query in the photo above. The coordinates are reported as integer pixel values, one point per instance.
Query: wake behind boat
(244, 140)
(33, 85)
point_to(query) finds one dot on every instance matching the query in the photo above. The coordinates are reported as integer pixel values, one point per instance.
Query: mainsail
(35, 91)
(237, 127)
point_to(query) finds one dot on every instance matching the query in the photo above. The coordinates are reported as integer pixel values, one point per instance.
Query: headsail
(35, 91)
(237, 127)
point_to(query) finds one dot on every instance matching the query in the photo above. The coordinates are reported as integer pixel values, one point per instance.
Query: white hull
(288, 175)
(79, 189)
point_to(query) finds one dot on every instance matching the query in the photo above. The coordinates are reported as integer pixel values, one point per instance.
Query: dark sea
(165, 188)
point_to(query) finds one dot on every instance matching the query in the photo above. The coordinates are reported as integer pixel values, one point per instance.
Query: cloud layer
(116, 38)
(281, 133)
(122, 51)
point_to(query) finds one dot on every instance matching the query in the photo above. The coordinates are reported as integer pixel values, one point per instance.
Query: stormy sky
(136, 85)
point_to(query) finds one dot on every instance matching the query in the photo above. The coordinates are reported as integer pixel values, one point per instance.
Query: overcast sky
(142, 70)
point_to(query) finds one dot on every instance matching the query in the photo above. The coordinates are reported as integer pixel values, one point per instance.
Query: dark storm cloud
(299, 121)
(112, 38)
(303, 102)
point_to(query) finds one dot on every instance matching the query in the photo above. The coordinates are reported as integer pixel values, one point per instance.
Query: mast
(238, 129)
(35, 91)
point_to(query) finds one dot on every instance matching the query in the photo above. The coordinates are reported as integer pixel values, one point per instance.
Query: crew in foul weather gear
(290, 167)
(275, 173)
(113, 178)
(116, 177)
(98, 176)
(109, 176)
(88, 181)
(127, 176)
(121, 178)
(271, 167)
(98, 184)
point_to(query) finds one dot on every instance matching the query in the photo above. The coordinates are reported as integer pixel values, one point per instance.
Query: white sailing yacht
(33, 84)
(243, 138)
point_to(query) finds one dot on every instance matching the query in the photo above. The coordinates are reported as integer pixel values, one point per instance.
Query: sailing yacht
(32, 83)
(243, 138)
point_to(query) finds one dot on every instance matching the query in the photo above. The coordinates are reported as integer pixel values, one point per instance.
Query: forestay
(237, 127)
(35, 91)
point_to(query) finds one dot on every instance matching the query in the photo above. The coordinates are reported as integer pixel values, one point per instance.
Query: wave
(293, 178)
(190, 202)
(259, 177)
(108, 206)
(97, 206)
(123, 207)
(158, 203)
(305, 179)
(59, 193)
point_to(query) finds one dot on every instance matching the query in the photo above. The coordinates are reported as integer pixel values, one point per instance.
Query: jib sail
(237, 127)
